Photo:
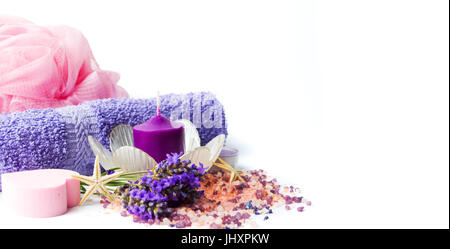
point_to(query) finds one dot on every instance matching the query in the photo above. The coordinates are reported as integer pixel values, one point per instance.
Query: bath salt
(230, 205)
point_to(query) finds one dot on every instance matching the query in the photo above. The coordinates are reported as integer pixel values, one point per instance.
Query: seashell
(121, 135)
(215, 147)
(104, 155)
(191, 137)
(199, 155)
(131, 159)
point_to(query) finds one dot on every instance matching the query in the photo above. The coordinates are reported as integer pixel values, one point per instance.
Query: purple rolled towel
(57, 138)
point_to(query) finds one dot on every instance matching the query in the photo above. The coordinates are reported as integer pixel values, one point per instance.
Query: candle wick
(158, 104)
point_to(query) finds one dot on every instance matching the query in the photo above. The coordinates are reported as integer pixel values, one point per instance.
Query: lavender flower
(171, 184)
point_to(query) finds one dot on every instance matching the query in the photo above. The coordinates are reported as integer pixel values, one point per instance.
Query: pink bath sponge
(44, 67)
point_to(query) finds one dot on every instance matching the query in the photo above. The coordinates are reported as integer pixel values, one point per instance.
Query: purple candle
(159, 136)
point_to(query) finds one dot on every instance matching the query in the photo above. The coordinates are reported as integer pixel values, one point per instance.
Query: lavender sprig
(172, 183)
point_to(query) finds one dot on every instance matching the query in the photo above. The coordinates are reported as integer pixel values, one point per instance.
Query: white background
(346, 99)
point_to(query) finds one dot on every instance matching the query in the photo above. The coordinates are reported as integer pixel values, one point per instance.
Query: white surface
(93, 215)
(346, 99)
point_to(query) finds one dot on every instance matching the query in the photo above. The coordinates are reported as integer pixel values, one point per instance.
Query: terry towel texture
(57, 138)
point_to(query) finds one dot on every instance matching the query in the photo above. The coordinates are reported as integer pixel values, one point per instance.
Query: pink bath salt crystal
(214, 226)
(124, 213)
(300, 209)
(135, 219)
(259, 194)
(308, 203)
(228, 206)
(288, 208)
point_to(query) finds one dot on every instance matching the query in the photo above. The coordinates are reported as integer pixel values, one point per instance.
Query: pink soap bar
(41, 193)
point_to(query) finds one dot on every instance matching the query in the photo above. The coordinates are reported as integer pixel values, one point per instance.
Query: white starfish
(234, 174)
(96, 182)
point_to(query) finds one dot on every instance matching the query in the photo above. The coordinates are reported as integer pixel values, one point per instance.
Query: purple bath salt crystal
(297, 199)
(57, 138)
(277, 190)
(288, 199)
(180, 225)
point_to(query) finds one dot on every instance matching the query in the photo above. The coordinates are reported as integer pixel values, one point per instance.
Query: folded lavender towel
(57, 138)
